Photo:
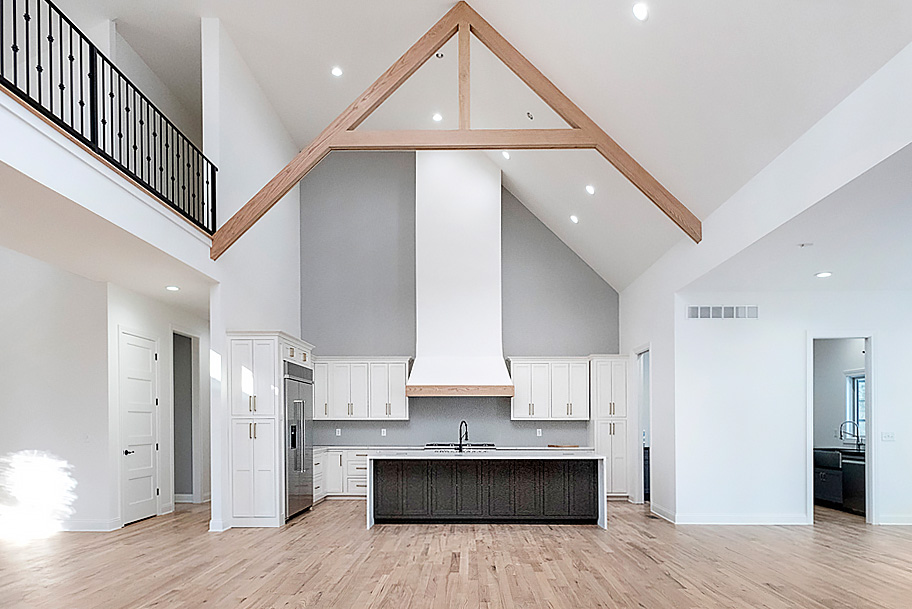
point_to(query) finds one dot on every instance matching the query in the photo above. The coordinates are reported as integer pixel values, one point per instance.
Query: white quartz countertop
(484, 454)
(498, 449)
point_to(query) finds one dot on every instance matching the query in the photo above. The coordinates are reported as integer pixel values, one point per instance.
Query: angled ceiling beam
(578, 119)
(341, 134)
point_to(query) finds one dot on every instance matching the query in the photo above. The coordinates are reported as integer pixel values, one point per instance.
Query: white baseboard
(207, 497)
(662, 512)
(217, 526)
(742, 519)
(183, 498)
(92, 526)
(896, 520)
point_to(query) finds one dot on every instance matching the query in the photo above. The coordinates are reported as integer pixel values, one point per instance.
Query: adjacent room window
(855, 399)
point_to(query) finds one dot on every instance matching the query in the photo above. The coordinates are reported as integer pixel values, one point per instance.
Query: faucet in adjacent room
(844, 434)
(463, 435)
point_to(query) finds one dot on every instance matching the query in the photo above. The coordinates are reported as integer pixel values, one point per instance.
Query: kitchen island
(486, 486)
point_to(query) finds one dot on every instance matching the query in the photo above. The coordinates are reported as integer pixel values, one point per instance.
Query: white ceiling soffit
(40, 223)
(860, 234)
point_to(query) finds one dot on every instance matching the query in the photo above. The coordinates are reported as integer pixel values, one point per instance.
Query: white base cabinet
(360, 389)
(257, 466)
(345, 472)
(550, 389)
(319, 474)
(611, 441)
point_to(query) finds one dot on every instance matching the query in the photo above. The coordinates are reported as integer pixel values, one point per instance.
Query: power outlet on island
(383, 432)
(538, 432)
(338, 432)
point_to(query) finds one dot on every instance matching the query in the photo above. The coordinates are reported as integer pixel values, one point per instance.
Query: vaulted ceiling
(703, 94)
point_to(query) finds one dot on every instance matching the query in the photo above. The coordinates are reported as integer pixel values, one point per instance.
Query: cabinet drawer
(356, 486)
(356, 469)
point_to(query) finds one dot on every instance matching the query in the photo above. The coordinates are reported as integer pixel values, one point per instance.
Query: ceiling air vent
(723, 312)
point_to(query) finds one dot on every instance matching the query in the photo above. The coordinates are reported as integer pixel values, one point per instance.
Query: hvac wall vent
(723, 312)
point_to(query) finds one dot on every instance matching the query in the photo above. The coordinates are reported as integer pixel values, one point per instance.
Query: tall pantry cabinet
(608, 425)
(256, 397)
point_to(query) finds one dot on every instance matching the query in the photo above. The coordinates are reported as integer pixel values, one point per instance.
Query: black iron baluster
(60, 56)
(94, 87)
(15, 47)
(28, 47)
(40, 68)
(72, 58)
(50, 40)
(213, 191)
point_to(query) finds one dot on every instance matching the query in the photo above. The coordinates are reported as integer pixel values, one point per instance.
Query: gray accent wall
(437, 420)
(183, 415)
(358, 297)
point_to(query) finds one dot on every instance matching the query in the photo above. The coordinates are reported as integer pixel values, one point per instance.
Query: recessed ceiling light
(641, 11)
(590, 189)
(574, 219)
(506, 155)
(336, 71)
(439, 54)
(437, 117)
(172, 288)
(824, 275)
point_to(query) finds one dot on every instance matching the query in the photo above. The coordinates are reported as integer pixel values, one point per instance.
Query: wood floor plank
(326, 558)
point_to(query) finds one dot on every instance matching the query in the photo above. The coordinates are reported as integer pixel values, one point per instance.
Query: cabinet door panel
(602, 394)
(581, 482)
(242, 468)
(579, 390)
(379, 391)
(618, 458)
(415, 488)
(619, 388)
(340, 390)
(398, 374)
(469, 486)
(554, 484)
(359, 390)
(499, 484)
(266, 388)
(334, 476)
(443, 488)
(264, 460)
(321, 391)
(603, 447)
(242, 386)
(541, 391)
(387, 488)
(522, 390)
(527, 488)
(560, 390)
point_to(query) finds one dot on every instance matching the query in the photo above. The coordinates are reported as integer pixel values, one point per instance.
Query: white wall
(53, 371)
(138, 71)
(832, 359)
(260, 274)
(158, 321)
(868, 126)
(742, 404)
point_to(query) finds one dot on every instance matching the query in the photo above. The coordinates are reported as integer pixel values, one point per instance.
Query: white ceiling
(41, 223)
(704, 94)
(860, 234)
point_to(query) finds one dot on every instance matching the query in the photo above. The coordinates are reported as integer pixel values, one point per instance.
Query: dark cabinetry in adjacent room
(478, 490)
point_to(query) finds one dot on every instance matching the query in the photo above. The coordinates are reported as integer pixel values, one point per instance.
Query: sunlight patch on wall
(36, 495)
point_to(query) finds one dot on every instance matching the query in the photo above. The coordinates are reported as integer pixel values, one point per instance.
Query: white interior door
(138, 380)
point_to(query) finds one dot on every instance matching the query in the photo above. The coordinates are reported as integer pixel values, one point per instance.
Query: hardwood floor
(327, 559)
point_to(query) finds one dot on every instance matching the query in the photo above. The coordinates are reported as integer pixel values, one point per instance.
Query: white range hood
(459, 347)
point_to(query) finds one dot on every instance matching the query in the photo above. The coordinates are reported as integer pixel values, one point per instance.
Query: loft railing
(49, 63)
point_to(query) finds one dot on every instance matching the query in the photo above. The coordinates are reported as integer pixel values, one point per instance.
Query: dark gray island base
(479, 488)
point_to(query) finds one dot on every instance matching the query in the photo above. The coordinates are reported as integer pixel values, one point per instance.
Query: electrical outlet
(887, 436)
(383, 432)
(338, 432)
(538, 432)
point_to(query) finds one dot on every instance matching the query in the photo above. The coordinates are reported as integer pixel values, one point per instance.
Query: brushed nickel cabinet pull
(249, 403)
(254, 403)
(250, 430)
(254, 431)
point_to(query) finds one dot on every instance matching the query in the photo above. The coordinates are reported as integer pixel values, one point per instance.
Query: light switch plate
(338, 432)
(383, 432)
(887, 436)
(538, 432)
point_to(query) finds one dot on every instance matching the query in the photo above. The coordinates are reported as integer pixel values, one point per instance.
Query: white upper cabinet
(609, 387)
(253, 377)
(550, 388)
(321, 391)
(366, 390)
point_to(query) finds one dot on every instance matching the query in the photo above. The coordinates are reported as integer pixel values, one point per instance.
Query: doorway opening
(189, 461)
(644, 403)
(841, 411)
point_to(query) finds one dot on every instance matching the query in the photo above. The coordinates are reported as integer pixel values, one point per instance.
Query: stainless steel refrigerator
(298, 439)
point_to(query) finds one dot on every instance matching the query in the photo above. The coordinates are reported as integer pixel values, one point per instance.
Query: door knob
(129, 452)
